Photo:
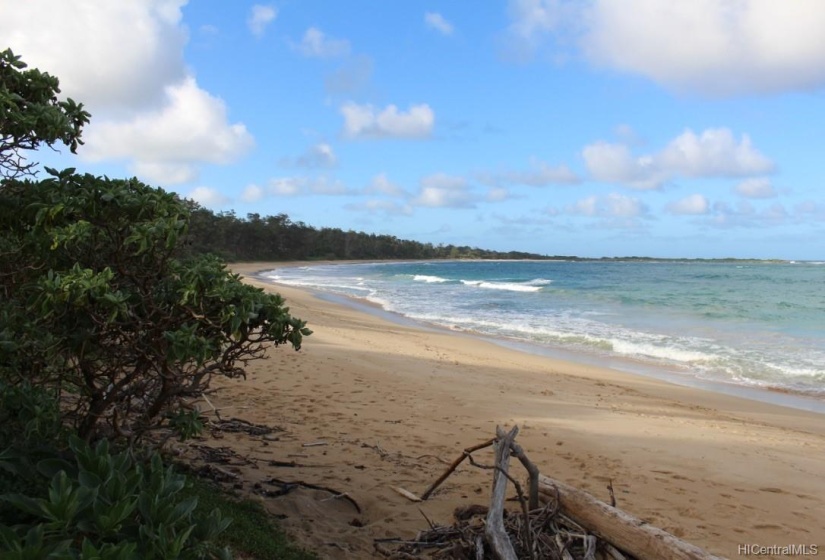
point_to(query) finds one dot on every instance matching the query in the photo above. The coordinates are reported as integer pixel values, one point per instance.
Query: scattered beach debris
(555, 521)
(236, 425)
(220, 455)
(285, 487)
(406, 493)
(315, 444)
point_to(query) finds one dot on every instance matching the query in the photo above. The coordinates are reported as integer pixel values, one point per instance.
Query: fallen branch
(454, 465)
(287, 487)
(622, 530)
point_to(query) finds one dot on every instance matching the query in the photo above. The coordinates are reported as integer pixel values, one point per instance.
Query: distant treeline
(277, 238)
(259, 238)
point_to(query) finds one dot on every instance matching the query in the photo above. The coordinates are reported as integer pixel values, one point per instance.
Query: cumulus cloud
(745, 215)
(498, 194)
(540, 174)
(695, 204)
(316, 44)
(529, 19)
(207, 196)
(436, 21)
(190, 128)
(388, 207)
(124, 60)
(259, 18)
(704, 46)
(305, 186)
(612, 205)
(366, 121)
(94, 49)
(756, 187)
(716, 152)
(296, 186)
(445, 191)
(319, 156)
(381, 184)
(614, 163)
(713, 153)
(253, 193)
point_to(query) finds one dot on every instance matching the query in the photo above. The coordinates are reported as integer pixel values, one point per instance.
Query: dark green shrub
(109, 505)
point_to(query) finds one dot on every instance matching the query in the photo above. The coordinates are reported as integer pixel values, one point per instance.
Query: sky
(561, 127)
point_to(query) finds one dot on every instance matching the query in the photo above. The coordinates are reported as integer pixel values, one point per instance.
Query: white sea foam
(669, 352)
(429, 279)
(507, 286)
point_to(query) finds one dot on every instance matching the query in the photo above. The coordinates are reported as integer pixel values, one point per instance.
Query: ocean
(751, 325)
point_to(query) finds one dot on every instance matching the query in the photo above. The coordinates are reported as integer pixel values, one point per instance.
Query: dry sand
(392, 403)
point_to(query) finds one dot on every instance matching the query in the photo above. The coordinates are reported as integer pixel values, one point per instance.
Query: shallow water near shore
(757, 329)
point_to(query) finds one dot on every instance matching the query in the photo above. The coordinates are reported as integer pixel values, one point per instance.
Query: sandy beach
(389, 404)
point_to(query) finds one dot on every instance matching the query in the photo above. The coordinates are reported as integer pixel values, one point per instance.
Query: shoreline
(392, 403)
(779, 396)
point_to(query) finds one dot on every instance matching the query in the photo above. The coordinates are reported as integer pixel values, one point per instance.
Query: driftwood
(454, 465)
(494, 527)
(285, 487)
(570, 525)
(621, 529)
(406, 493)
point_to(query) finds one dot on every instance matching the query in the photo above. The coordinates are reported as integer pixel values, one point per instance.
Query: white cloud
(381, 184)
(707, 46)
(614, 163)
(191, 128)
(756, 187)
(124, 61)
(316, 44)
(612, 205)
(388, 207)
(498, 194)
(746, 215)
(436, 21)
(695, 204)
(107, 55)
(259, 18)
(253, 193)
(714, 153)
(531, 18)
(305, 186)
(167, 173)
(366, 121)
(319, 156)
(207, 196)
(540, 174)
(445, 191)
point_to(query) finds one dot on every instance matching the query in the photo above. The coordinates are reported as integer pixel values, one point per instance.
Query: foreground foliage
(31, 115)
(122, 329)
(252, 530)
(107, 333)
(64, 498)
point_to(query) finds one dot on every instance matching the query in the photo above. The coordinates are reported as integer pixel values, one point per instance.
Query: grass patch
(253, 532)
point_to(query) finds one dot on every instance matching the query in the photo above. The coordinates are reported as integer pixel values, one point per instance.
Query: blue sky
(592, 128)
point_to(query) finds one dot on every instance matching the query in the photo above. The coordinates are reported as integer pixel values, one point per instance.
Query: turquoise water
(756, 325)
